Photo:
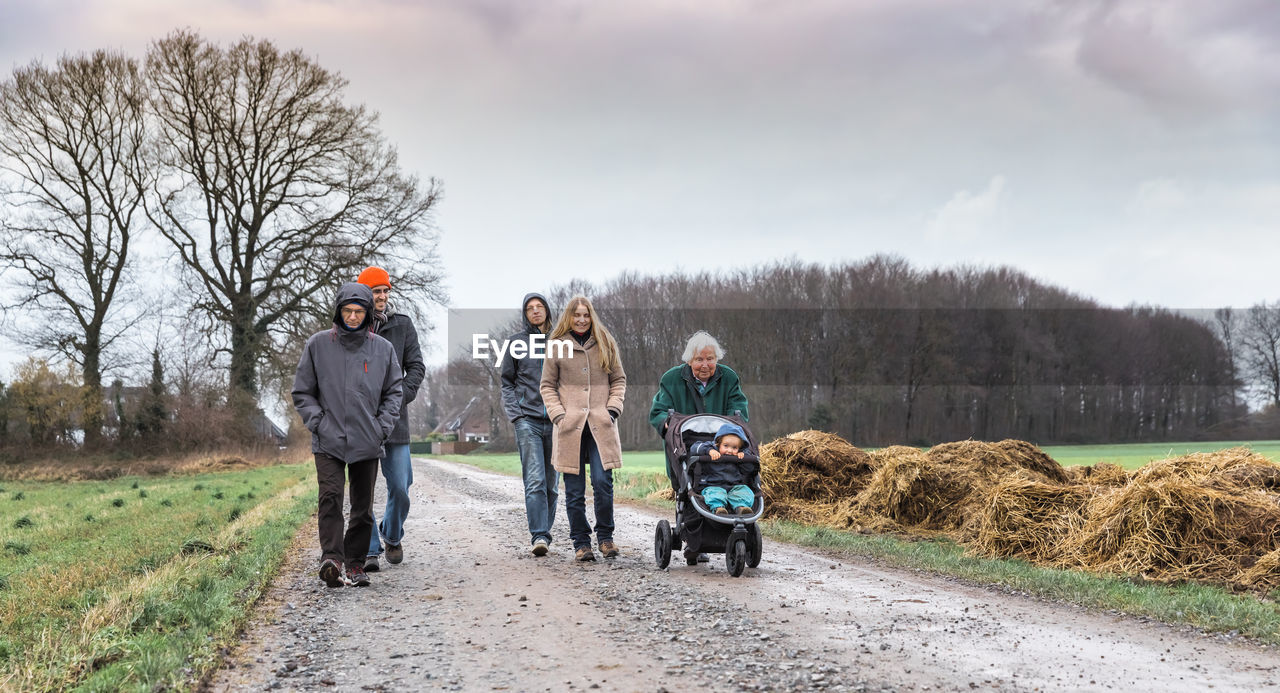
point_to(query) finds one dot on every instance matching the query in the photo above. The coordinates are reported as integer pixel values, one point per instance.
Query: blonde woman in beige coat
(583, 394)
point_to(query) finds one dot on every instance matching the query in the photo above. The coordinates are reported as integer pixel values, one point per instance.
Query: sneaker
(371, 564)
(331, 573)
(722, 510)
(583, 554)
(608, 549)
(395, 554)
(540, 547)
(356, 576)
(742, 510)
(704, 558)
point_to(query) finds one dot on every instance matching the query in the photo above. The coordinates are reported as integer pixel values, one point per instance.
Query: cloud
(1158, 197)
(1236, 212)
(1185, 58)
(966, 215)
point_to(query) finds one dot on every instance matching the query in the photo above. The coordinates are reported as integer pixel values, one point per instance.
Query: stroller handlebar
(747, 457)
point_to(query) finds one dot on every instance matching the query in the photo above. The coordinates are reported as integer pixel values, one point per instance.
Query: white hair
(699, 341)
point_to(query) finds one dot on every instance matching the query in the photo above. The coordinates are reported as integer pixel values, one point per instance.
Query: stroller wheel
(662, 544)
(755, 546)
(735, 558)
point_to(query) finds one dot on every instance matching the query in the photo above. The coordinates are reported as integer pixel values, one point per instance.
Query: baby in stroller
(718, 497)
(725, 478)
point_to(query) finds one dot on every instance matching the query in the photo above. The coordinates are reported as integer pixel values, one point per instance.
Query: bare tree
(1260, 347)
(71, 178)
(1227, 324)
(274, 190)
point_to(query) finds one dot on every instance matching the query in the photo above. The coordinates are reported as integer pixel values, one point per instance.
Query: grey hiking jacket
(522, 378)
(348, 385)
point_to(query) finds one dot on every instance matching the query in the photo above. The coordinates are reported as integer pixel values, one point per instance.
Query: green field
(1129, 456)
(1134, 455)
(124, 584)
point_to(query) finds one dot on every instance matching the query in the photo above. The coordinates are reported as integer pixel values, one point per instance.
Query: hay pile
(1100, 474)
(1027, 518)
(1205, 516)
(939, 489)
(812, 467)
(1211, 517)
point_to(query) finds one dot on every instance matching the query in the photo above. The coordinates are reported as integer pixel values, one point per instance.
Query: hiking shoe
(331, 573)
(356, 576)
(371, 564)
(722, 510)
(608, 549)
(742, 510)
(583, 554)
(540, 547)
(395, 554)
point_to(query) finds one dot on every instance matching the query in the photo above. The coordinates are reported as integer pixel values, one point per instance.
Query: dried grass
(1027, 518)
(1100, 474)
(940, 489)
(1211, 517)
(1185, 518)
(93, 468)
(662, 494)
(811, 466)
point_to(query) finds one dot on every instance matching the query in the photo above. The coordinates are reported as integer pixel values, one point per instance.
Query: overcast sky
(1127, 150)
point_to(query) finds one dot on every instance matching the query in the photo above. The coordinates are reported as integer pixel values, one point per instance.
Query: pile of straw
(941, 489)
(1100, 474)
(1027, 518)
(911, 489)
(1212, 517)
(811, 467)
(1204, 516)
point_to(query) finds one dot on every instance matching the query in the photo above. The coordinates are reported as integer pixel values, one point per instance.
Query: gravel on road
(471, 609)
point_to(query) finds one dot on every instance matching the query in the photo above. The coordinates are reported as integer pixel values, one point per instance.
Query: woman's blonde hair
(604, 340)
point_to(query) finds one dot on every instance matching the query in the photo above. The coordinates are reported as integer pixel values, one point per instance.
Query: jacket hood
(736, 430)
(352, 292)
(528, 327)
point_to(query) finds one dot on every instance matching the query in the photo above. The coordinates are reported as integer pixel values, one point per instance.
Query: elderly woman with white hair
(701, 385)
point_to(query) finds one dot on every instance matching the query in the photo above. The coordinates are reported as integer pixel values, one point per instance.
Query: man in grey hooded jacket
(347, 390)
(522, 402)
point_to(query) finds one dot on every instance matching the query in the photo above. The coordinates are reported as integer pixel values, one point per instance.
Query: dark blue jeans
(397, 470)
(541, 480)
(575, 495)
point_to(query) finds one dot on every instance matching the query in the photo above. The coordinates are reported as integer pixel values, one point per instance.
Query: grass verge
(136, 583)
(1203, 606)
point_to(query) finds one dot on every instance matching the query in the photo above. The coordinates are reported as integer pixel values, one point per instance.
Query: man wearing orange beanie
(397, 467)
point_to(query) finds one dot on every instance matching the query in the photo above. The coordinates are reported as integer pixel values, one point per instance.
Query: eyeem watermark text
(538, 347)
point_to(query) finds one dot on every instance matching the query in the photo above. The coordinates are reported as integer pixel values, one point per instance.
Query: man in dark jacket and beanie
(397, 466)
(347, 390)
(522, 402)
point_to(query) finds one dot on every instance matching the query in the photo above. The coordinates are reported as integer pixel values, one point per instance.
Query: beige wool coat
(578, 388)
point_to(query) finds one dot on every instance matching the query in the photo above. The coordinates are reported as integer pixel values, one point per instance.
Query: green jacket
(678, 390)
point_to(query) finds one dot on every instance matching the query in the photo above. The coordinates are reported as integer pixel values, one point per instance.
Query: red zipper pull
(366, 365)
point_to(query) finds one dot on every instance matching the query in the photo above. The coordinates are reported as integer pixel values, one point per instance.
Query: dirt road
(470, 609)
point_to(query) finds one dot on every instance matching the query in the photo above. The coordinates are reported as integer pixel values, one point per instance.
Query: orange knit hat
(375, 276)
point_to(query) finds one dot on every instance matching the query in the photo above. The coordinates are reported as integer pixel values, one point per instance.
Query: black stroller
(697, 529)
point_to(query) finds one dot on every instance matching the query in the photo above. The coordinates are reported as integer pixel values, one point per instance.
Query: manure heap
(1209, 517)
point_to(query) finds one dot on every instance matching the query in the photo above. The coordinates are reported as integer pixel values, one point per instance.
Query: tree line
(885, 353)
(245, 165)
